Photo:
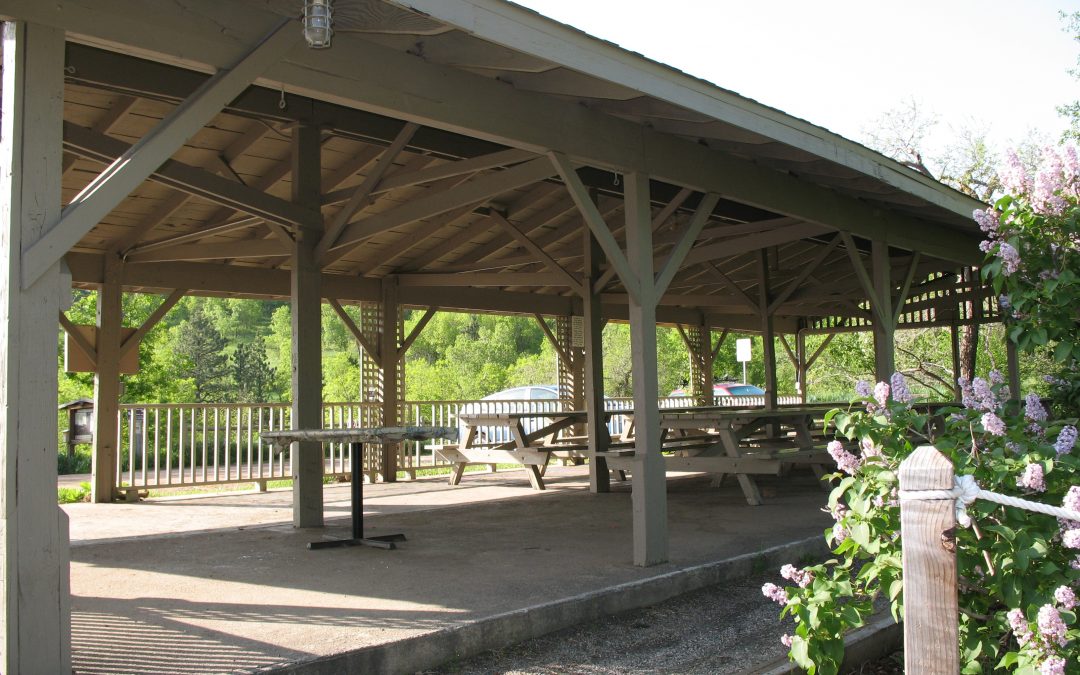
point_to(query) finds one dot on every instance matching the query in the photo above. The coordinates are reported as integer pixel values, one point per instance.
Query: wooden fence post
(931, 613)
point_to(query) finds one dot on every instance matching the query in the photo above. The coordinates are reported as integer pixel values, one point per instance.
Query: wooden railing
(178, 445)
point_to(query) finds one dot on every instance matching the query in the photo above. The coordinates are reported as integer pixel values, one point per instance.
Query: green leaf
(800, 653)
(1063, 351)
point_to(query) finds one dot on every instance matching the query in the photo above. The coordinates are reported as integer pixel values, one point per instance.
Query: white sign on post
(742, 350)
(742, 354)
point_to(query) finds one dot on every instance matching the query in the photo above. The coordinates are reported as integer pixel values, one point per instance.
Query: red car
(726, 389)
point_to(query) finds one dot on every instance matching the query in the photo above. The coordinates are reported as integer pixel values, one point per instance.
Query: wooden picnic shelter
(465, 155)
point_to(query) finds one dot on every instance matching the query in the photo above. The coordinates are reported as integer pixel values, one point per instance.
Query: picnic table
(531, 449)
(356, 438)
(740, 441)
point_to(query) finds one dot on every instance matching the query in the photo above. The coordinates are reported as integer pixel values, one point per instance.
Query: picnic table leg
(806, 442)
(456, 472)
(535, 477)
(749, 487)
(356, 489)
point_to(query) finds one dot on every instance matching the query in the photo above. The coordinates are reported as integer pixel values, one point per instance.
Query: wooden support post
(768, 338)
(1013, 366)
(35, 633)
(802, 369)
(599, 477)
(954, 336)
(931, 612)
(649, 473)
(388, 359)
(707, 359)
(307, 456)
(107, 384)
(884, 319)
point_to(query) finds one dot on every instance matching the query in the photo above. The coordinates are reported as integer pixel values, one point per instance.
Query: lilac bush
(1018, 571)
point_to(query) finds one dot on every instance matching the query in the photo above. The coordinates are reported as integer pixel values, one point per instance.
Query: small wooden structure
(80, 423)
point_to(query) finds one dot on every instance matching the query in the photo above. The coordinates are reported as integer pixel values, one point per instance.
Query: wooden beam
(719, 343)
(906, 288)
(740, 294)
(415, 332)
(501, 158)
(739, 245)
(659, 219)
(105, 125)
(76, 336)
(135, 165)
(595, 222)
(132, 341)
(359, 197)
(168, 242)
(195, 181)
(242, 248)
(531, 246)
(790, 353)
(864, 279)
(804, 272)
(369, 347)
(687, 237)
(428, 205)
(552, 340)
(481, 279)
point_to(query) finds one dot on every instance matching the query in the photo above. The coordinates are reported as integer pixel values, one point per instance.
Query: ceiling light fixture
(318, 22)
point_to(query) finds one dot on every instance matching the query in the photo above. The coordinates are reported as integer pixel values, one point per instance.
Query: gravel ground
(723, 629)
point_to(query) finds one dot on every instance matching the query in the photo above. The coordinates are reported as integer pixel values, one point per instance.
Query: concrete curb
(878, 638)
(501, 630)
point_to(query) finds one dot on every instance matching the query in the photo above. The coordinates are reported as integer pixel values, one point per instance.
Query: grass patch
(73, 495)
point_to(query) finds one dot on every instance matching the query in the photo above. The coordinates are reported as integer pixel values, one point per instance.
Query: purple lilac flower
(983, 394)
(1032, 478)
(988, 220)
(1033, 408)
(1071, 538)
(1065, 596)
(801, 577)
(881, 393)
(863, 389)
(775, 593)
(840, 534)
(845, 461)
(1072, 499)
(993, 424)
(1051, 626)
(1014, 177)
(900, 391)
(1048, 183)
(868, 448)
(1019, 625)
(1052, 665)
(1066, 440)
(785, 640)
(1010, 258)
(1004, 302)
(1070, 165)
(967, 393)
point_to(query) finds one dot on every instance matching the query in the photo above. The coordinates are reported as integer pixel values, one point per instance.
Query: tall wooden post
(35, 631)
(388, 360)
(884, 326)
(599, 476)
(649, 475)
(307, 457)
(1012, 359)
(954, 338)
(931, 611)
(107, 383)
(768, 336)
(802, 370)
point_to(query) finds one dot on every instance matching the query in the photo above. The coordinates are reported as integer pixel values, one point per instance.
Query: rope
(965, 491)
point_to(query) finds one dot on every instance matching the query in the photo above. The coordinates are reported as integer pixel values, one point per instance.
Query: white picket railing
(190, 444)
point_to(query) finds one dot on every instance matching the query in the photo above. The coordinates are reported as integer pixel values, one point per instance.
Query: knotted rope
(965, 491)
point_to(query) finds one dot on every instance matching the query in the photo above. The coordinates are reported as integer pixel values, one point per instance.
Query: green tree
(203, 358)
(251, 372)
(1071, 111)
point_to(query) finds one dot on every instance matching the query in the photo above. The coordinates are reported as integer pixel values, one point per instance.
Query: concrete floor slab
(236, 590)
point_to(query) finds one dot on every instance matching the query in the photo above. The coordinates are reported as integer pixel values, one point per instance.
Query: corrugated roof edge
(523, 29)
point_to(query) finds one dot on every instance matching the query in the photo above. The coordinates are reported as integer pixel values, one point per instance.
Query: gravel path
(723, 629)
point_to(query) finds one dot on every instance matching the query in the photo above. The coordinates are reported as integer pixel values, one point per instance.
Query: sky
(997, 65)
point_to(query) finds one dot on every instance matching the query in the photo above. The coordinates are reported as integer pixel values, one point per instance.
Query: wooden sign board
(75, 361)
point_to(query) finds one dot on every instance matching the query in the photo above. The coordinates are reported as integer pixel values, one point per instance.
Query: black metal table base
(386, 541)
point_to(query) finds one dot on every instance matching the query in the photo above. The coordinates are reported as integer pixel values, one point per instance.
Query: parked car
(725, 389)
(532, 398)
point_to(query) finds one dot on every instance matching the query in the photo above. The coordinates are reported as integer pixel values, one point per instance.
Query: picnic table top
(513, 416)
(361, 435)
